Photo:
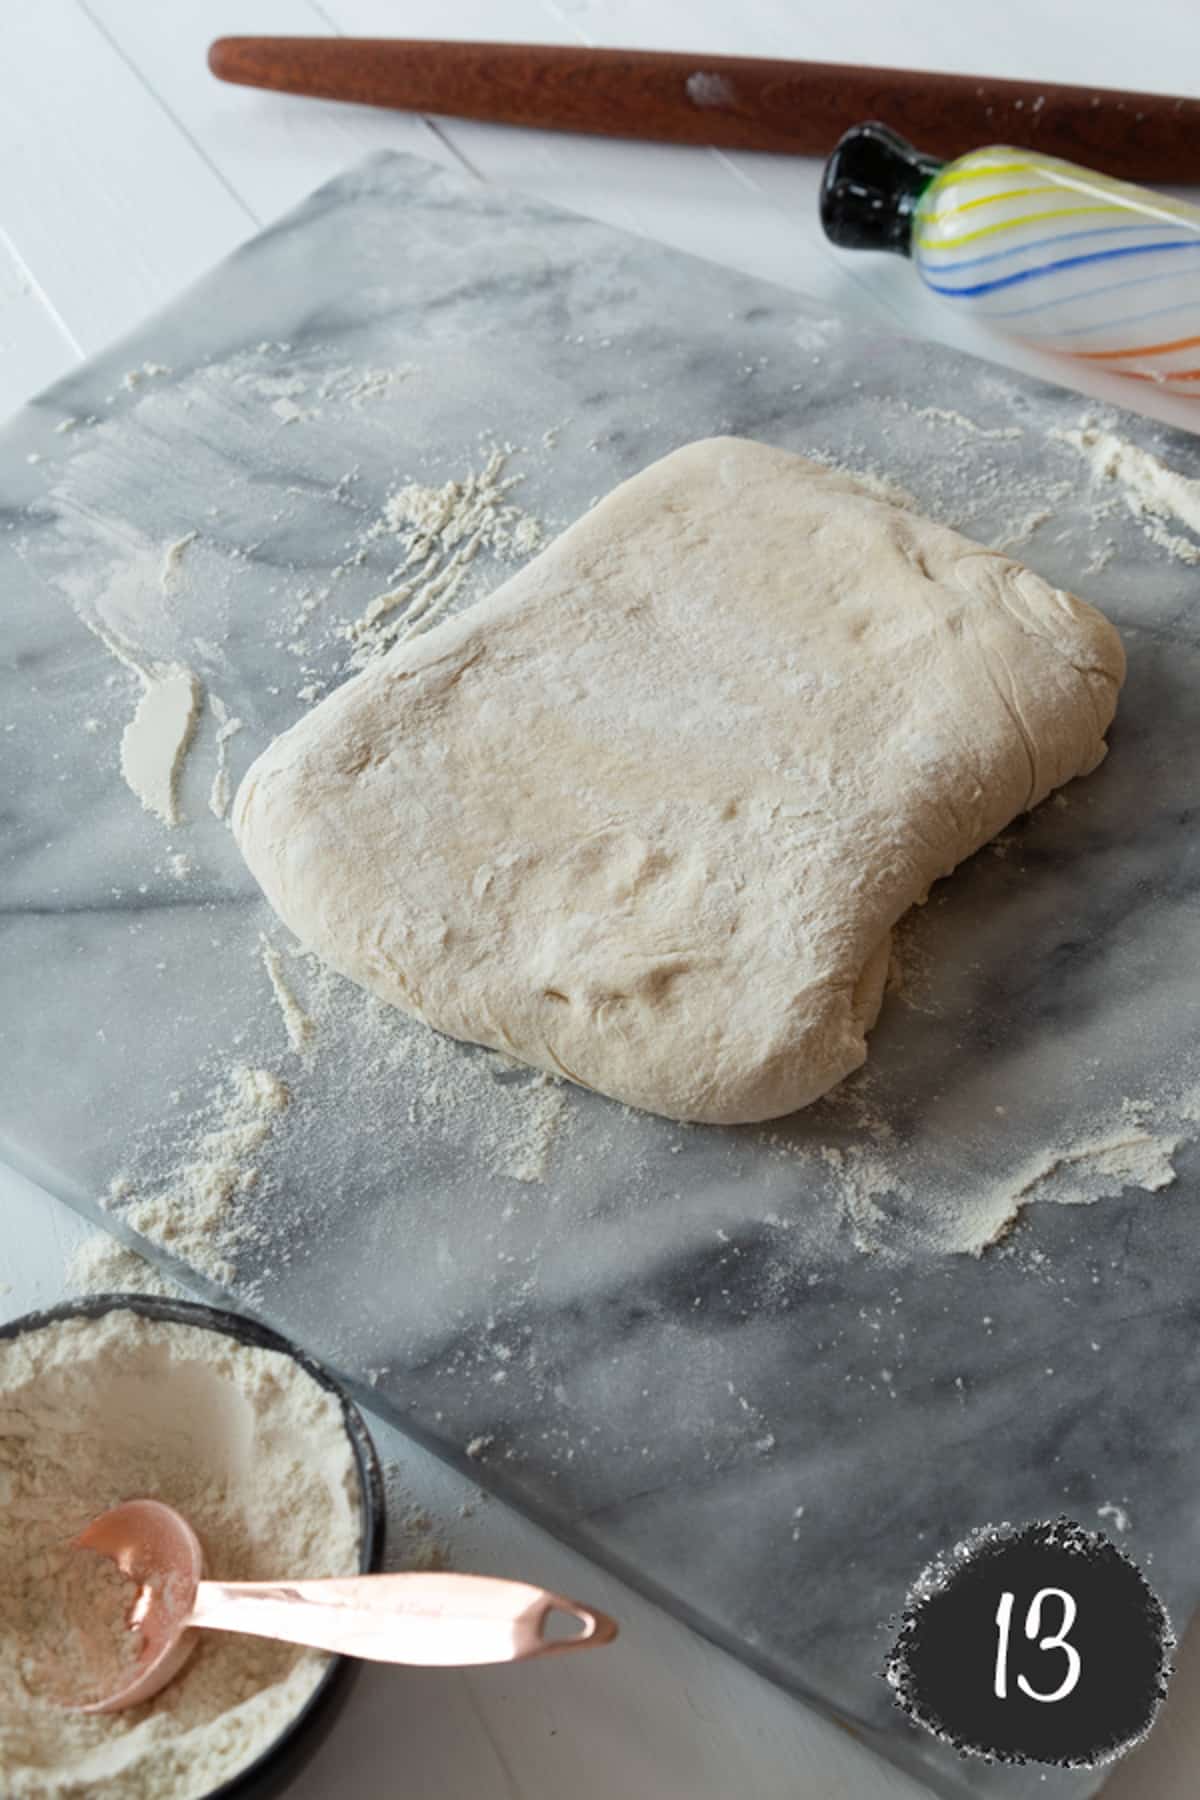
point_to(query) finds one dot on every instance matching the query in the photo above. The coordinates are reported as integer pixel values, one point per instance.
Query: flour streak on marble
(672, 1350)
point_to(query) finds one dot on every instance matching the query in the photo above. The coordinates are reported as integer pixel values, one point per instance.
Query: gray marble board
(692, 1352)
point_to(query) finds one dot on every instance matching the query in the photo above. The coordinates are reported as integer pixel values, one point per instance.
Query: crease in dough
(646, 816)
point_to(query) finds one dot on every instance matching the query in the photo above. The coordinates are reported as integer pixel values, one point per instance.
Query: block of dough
(645, 817)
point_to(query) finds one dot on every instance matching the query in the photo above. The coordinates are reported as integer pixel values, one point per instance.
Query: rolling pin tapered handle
(735, 102)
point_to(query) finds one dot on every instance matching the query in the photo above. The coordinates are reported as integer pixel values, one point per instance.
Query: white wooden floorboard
(78, 132)
(1067, 40)
(34, 348)
(37, 1241)
(272, 149)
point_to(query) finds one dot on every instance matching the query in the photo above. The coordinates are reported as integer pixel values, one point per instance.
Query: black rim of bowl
(373, 1505)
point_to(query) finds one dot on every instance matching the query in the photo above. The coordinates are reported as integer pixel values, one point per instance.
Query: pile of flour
(244, 1443)
(100, 1264)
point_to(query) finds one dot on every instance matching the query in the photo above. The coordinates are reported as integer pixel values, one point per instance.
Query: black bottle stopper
(871, 187)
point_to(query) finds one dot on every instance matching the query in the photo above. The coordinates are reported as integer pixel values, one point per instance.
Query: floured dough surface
(646, 816)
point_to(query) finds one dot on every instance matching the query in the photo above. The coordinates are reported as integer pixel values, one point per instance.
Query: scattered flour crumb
(296, 1022)
(945, 415)
(1151, 491)
(442, 530)
(527, 1156)
(103, 1265)
(219, 793)
(415, 1540)
(1101, 556)
(172, 558)
(134, 378)
(359, 386)
(1117, 1514)
(1021, 530)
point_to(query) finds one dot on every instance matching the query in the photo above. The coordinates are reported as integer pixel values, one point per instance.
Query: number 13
(1033, 1624)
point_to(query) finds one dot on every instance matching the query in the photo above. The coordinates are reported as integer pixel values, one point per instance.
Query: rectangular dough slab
(646, 816)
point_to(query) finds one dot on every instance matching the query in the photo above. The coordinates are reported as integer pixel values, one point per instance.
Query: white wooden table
(127, 172)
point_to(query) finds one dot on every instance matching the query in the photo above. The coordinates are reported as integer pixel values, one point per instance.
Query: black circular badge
(1040, 1643)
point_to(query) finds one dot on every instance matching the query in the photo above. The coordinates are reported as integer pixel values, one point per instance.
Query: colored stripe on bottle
(1066, 262)
(955, 264)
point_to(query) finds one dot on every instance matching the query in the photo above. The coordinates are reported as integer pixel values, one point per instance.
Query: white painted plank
(271, 149)
(34, 348)
(109, 207)
(1015, 40)
(39, 1237)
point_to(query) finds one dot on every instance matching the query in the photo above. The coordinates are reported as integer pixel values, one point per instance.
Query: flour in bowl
(243, 1442)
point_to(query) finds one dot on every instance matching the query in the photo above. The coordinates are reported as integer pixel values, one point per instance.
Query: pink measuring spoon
(435, 1620)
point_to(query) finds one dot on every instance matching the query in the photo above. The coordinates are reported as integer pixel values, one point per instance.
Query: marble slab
(708, 1358)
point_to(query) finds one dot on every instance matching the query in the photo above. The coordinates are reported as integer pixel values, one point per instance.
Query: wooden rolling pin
(737, 102)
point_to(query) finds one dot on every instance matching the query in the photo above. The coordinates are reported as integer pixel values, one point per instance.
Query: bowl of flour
(119, 1396)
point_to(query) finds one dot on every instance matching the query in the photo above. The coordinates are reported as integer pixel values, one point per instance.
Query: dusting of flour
(192, 1208)
(519, 1116)
(203, 1193)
